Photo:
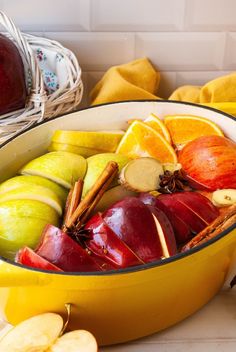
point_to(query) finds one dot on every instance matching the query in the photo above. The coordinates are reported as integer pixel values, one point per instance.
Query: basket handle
(38, 94)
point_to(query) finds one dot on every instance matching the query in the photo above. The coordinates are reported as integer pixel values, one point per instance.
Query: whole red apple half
(28, 257)
(61, 250)
(181, 229)
(143, 231)
(189, 212)
(210, 162)
(12, 79)
(104, 243)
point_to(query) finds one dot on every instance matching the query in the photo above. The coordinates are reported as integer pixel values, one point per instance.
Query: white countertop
(212, 329)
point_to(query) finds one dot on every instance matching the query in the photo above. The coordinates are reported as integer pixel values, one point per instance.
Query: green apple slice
(84, 151)
(25, 180)
(22, 223)
(63, 168)
(106, 141)
(112, 196)
(96, 165)
(34, 192)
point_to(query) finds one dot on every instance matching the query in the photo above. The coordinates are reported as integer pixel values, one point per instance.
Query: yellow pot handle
(14, 276)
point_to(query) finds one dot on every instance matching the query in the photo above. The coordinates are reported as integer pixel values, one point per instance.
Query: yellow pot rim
(142, 267)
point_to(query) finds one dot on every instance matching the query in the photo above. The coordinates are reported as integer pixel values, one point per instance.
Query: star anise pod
(171, 182)
(79, 234)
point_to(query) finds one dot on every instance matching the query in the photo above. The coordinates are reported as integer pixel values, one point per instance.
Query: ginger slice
(141, 175)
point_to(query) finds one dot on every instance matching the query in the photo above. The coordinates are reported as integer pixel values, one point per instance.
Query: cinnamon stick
(221, 223)
(92, 196)
(99, 195)
(73, 199)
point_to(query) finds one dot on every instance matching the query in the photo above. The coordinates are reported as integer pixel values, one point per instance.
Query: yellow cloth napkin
(135, 80)
(139, 80)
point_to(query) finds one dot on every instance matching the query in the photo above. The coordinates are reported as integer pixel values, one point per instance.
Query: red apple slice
(165, 232)
(105, 244)
(200, 205)
(58, 248)
(181, 229)
(28, 257)
(171, 201)
(195, 210)
(133, 223)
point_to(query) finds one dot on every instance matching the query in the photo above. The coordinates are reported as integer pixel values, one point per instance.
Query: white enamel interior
(34, 142)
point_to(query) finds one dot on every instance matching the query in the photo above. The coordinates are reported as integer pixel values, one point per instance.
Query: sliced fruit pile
(44, 333)
(140, 196)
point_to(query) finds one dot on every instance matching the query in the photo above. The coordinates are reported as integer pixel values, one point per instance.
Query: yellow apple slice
(84, 151)
(63, 168)
(34, 192)
(75, 341)
(25, 180)
(105, 141)
(34, 334)
(224, 197)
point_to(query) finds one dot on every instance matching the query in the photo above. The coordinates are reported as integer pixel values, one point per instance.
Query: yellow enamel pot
(129, 303)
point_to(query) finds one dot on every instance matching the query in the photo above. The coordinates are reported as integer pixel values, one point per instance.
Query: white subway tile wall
(189, 41)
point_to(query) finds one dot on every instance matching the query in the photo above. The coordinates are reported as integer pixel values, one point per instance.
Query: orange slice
(141, 140)
(158, 125)
(185, 128)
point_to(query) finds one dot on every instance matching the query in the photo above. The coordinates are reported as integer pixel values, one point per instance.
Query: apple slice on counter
(37, 333)
(28, 257)
(61, 250)
(104, 243)
(25, 180)
(181, 229)
(33, 192)
(21, 224)
(83, 151)
(63, 168)
(75, 341)
(134, 223)
(96, 165)
(105, 141)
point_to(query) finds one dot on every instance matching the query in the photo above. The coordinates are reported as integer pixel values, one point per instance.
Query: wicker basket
(40, 104)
